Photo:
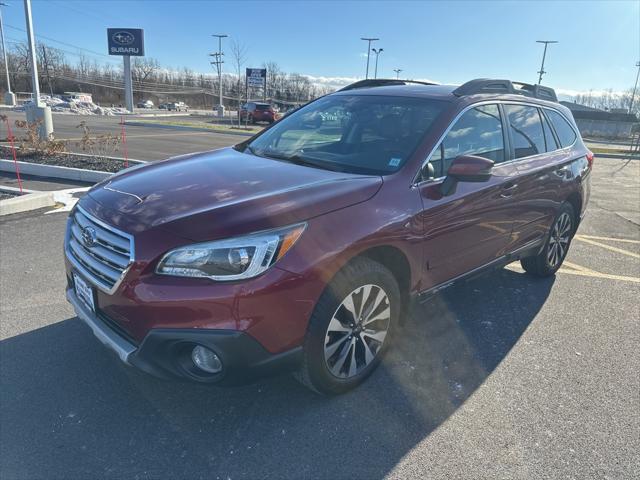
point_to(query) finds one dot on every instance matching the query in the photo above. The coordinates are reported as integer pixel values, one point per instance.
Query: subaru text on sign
(126, 41)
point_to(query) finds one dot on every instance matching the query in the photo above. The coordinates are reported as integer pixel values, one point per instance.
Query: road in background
(503, 377)
(143, 143)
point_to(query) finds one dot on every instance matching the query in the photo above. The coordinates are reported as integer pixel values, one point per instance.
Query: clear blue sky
(445, 41)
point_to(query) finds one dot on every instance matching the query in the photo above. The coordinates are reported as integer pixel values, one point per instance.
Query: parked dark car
(177, 106)
(301, 247)
(257, 112)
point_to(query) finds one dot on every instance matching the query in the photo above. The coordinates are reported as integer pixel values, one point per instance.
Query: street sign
(256, 77)
(126, 41)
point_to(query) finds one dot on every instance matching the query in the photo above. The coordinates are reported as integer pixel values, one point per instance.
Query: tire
(252, 120)
(341, 349)
(550, 258)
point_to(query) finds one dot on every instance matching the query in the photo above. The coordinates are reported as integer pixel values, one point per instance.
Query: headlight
(232, 259)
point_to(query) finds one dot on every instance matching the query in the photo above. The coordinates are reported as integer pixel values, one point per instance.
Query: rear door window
(565, 132)
(477, 132)
(526, 130)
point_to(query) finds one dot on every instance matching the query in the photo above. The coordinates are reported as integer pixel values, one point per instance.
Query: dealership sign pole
(126, 42)
(36, 112)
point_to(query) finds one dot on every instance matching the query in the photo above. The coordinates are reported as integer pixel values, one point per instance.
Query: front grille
(100, 252)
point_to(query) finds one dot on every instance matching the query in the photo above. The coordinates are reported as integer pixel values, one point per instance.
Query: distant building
(594, 122)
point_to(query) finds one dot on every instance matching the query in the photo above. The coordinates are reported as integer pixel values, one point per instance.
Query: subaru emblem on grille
(89, 236)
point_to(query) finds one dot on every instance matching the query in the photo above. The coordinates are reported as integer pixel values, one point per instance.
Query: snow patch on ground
(59, 105)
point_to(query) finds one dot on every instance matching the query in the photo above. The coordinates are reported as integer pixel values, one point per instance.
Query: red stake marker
(124, 143)
(13, 151)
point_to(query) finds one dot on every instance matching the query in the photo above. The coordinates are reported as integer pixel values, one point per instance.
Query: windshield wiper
(306, 161)
(295, 159)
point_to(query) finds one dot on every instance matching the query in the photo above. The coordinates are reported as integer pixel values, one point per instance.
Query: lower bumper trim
(123, 348)
(162, 352)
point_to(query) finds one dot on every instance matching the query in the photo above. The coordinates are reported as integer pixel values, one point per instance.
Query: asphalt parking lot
(502, 377)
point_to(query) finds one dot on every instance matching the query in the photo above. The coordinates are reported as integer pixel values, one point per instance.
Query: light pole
(377, 52)
(218, 63)
(633, 95)
(367, 39)
(9, 97)
(544, 55)
(36, 112)
(397, 70)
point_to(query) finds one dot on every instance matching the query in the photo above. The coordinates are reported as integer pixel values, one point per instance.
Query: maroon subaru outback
(301, 247)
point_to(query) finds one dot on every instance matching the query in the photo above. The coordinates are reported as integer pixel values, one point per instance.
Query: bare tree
(143, 68)
(50, 62)
(159, 84)
(274, 78)
(239, 58)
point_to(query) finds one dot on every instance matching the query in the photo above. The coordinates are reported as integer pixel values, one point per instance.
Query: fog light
(206, 360)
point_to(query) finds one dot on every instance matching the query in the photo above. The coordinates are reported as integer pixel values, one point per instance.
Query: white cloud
(595, 93)
(339, 82)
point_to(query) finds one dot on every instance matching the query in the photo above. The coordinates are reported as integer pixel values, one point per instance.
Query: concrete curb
(55, 171)
(25, 203)
(184, 127)
(15, 190)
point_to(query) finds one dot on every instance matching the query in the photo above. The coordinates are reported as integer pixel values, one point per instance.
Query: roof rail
(380, 82)
(488, 85)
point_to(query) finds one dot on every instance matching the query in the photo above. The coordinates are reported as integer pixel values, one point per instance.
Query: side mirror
(466, 168)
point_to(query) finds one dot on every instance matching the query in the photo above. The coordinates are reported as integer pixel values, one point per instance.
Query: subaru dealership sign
(126, 41)
(256, 77)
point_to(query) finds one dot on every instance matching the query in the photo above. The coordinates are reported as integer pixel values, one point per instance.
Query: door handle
(509, 190)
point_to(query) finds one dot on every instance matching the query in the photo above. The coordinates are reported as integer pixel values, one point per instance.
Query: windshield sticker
(394, 162)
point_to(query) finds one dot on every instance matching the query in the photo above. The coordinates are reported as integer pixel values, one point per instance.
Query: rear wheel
(550, 258)
(350, 327)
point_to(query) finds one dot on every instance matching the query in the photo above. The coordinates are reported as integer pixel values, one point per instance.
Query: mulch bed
(67, 160)
(7, 196)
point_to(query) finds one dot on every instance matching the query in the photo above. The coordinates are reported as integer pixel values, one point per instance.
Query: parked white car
(146, 104)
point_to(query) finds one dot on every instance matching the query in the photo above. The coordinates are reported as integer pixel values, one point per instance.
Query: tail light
(590, 158)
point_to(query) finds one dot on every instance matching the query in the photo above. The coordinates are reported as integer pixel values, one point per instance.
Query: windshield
(367, 134)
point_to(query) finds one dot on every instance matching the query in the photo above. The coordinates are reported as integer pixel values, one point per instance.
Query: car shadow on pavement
(70, 410)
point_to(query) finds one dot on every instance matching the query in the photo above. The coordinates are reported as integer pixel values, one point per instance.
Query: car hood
(212, 195)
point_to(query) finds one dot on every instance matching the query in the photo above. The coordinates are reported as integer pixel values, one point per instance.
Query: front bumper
(165, 352)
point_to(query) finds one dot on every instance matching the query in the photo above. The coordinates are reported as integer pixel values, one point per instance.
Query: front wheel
(550, 258)
(350, 327)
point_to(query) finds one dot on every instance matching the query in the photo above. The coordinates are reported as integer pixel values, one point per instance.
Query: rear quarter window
(566, 133)
(526, 130)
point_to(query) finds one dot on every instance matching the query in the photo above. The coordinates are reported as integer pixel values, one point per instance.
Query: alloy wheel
(559, 240)
(357, 331)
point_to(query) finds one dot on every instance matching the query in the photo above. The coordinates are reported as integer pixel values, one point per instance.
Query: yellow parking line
(577, 267)
(608, 247)
(610, 239)
(594, 274)
(579, 270)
